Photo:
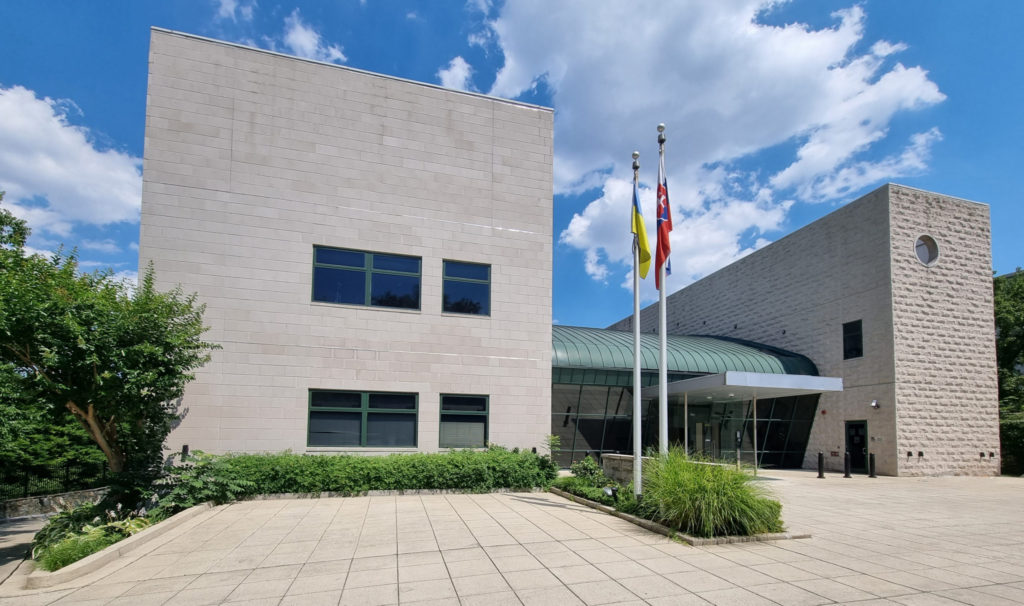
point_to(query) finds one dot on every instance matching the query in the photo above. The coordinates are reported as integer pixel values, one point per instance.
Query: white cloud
(54, 173)
(728, 87)
(457, 75)
(412, 16)
(106, 246)
(703, 240)
(235, 10)
(303, 40)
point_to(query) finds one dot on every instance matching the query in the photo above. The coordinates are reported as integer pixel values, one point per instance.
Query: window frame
(368, 272)
(486, 414)
(850, 334)
(445, 279)
(365, 410)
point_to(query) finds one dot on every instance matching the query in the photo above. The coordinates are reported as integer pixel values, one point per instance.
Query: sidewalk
(15, 542)
(875, 542)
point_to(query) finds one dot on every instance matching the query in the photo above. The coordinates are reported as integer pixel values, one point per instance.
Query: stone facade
(252, 158)
(928, 335)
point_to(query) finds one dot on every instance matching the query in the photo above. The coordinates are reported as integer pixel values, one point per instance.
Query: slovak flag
(664, 227)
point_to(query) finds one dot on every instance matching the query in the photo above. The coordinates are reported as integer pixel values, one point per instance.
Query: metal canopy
(604, 349)
(735, 385)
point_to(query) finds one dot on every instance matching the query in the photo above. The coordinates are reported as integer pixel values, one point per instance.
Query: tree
(1009, 311)
(114, 356)
(1009, 316)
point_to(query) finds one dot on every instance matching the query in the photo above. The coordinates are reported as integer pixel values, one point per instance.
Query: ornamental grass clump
(707, 500)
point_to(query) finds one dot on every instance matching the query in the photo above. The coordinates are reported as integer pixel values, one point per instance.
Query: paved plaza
(875, 541)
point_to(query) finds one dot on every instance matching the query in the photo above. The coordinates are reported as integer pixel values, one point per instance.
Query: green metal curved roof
(598, 348)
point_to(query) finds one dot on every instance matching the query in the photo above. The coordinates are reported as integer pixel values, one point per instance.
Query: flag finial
(661, 134)
(636, 162)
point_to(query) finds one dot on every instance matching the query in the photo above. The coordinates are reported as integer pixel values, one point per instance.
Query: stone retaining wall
(45, 504)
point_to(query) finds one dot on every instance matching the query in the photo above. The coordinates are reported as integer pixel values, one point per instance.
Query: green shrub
(707, 500)
(589, 471)
(76, 533)
(223, 478)
(582, 487)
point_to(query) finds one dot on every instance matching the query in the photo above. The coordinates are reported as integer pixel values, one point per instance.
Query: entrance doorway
(857, 445)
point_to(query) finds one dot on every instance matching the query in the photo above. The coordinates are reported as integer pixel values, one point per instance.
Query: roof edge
(172, 32)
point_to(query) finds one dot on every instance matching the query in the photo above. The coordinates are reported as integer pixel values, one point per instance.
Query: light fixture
(732, 395)
(874, 403)
(612, 491)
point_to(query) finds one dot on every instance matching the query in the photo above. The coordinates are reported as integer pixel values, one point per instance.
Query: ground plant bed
(688, 499)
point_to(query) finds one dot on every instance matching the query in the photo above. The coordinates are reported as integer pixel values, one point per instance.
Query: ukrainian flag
(640, 234)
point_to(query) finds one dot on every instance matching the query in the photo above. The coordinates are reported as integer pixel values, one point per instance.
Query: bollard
(821, 465)
(846, 465)
(871, 466)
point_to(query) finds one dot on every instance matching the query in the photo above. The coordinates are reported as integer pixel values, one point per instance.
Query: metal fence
(51, 479)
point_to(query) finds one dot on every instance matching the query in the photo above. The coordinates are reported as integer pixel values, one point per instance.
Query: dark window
(853, 340)
(355, 418)
(365, 278)
(463, 421)
(467, 288)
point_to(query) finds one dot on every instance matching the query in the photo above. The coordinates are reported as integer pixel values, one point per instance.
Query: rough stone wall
(796, 293)
(252, 158)
(946, 387)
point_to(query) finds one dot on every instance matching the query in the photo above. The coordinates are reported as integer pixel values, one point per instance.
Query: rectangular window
(463, 421)
(467, 288)
(853, 340)
(356, 277)
(357, 418)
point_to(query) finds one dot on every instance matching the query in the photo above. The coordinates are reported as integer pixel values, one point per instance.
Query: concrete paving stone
(500, 598)
(273, 601)
(579, 574)
(313, 569)
(1004, 591)
(833, 590)
(468, 568)
(420, 558)
(274, 573)
(422, 572)
(988, 574)
(219, 579)
(132, 573)
(874, 585)
(744, 577)
(548, 596)
(530, 579)
(500, 551)
(422, 591)
(461, 555)
(976, 598)
(158, 585)
(480, 584)
(374, 550)
(321, 598)
(514, 563)
(623, 570)
(735, 597)
(320, 583)
(686, 599)
(653, 586)
(781, 571)
(822, 569)
(698, 581)
(367, 578)
(665, 564)
(602, 556)
(790, 595)
(742, 557)
(379, 595)
(252, 590)
(925, 599)
(706, 560)
(373, 563)
(147, 599)
(952, 577)
(200, 596)
(915, 581)
(640, 552)
(91, 592)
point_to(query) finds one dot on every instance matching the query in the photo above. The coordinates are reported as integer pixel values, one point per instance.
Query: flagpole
(662, 330)
(637, 436)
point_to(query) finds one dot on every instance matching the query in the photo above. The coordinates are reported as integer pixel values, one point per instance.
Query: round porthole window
(927, 250)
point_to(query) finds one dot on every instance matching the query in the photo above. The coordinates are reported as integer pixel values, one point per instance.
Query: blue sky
(777, 112)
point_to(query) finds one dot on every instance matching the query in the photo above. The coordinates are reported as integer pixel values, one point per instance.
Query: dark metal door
(857, 445)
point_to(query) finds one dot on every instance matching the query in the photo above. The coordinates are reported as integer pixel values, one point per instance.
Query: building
(375, 258)
(892, 293)
(374, 254)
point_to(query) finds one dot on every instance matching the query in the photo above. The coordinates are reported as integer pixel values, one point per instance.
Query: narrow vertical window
(853, 340)
(467, 288)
